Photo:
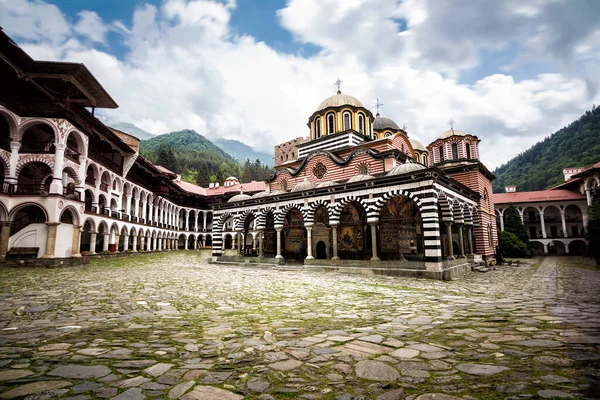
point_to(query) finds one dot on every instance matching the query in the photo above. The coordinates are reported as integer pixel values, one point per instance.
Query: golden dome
(339, 100)
(453, 132)
(416, 145)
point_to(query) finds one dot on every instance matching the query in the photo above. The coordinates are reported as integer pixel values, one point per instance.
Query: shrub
(511, 246)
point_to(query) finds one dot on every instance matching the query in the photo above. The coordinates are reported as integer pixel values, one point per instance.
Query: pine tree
(203, 174)
(166, 157)
(514, 225)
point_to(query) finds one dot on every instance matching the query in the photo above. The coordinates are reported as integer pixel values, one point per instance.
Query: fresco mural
(351, 232)
(293, 236)
(270, 237)
(401, 230)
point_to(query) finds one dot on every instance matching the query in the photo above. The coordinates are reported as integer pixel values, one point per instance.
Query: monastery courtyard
(172, 326)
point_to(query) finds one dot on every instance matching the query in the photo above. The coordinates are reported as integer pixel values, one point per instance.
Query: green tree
(511, 246)
(203, 175)
(166, 157)
(514, 225)
(189, 176)
(593, 230)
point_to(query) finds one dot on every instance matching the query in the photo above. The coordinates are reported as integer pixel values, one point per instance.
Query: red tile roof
(190, 187)
(538, 196)
(251, 187)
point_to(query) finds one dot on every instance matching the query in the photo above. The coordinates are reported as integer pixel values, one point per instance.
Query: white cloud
(187, 69)
(90, 25)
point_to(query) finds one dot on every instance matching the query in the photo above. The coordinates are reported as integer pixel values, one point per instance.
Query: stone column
(187, 220)
(278, 243)
(4, 236)
(233, 241)
(449, 240)
(521, 215)
(588, 192)
(126, 242)
(374, 240)
(461, 242)
(80, 186)
(51, 239)
(93, 242)
(564, 223)
(143, 216)
(134, 243)
(566, 248)
(136, 206)
(241, 239)
(128, 206)
(204, 221)
(584, 220)
(254, 241)
(470, 239)
(75, 243)
(260, 244)
(59, 159)
(150, 213)
(309, 242)
(196, 221)
(335, 249)
(545, 248)
(14, 160)
(543, 225)
(117, 238)
(501, 220)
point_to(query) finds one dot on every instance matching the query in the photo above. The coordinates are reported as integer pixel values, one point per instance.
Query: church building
(356, 192)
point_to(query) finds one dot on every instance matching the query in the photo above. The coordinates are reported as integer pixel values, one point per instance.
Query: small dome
(416, 145)
(452, 132)
(239, 197)
(358, 178)
(326, 184)
(275, 193)
(304, 185)
(382, 123)
(231, 178)
(260, 194)
(406, 168)
(338, 100)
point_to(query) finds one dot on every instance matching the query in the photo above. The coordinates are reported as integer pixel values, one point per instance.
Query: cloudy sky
(510, 72)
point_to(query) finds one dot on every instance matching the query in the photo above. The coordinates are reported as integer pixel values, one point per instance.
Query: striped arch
(310, 214)
(337, 209)
(445, 207)
(242, 218)
(475, 216)
(28, 123)
(261, 222)
(280, 216)
(458, 212)
(375, 209)
(35, 158)
(12, 122)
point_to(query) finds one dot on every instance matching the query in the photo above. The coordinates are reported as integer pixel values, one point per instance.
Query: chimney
(216, 184)
(510, 188)
(211, 185)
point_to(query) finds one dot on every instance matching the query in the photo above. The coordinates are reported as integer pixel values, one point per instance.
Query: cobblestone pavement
(171, 326)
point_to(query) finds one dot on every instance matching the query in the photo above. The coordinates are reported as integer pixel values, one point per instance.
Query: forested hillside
(541, 166)
(198, 160)
(133, 130)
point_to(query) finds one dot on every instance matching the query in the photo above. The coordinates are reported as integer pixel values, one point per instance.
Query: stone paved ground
(170, 326)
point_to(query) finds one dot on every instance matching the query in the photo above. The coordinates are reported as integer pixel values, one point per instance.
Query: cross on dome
(378, 105)
(451, 123)
(338, 83)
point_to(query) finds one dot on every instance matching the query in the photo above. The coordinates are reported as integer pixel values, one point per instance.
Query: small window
(454, 151)
(375, 136)
(441, 153)
(468, 149)
(490, 236)
(361, 123)
(425, 161)
(347, 124)
(317, 128)
(330, 123)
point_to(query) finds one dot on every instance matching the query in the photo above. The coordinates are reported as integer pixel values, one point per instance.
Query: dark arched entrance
(293, 236)
(353, 237)
(321, 252)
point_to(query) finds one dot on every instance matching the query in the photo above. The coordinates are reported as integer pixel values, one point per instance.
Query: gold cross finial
(378, 105)
(451, 123)
(338, 83)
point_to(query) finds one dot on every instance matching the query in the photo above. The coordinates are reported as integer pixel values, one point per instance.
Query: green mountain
(540, 167)
(198, 160)
(133, 130)
(243, 152)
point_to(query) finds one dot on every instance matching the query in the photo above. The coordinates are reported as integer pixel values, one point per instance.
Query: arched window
(375, 136)
(361, 123)
(468, 149)
(347, 124)
(317, 128)
(330, 123)
(490, 237)
(425, 161)
(441, 153)
(454, 151)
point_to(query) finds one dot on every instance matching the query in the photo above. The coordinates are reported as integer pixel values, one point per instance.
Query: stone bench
(22, 252)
